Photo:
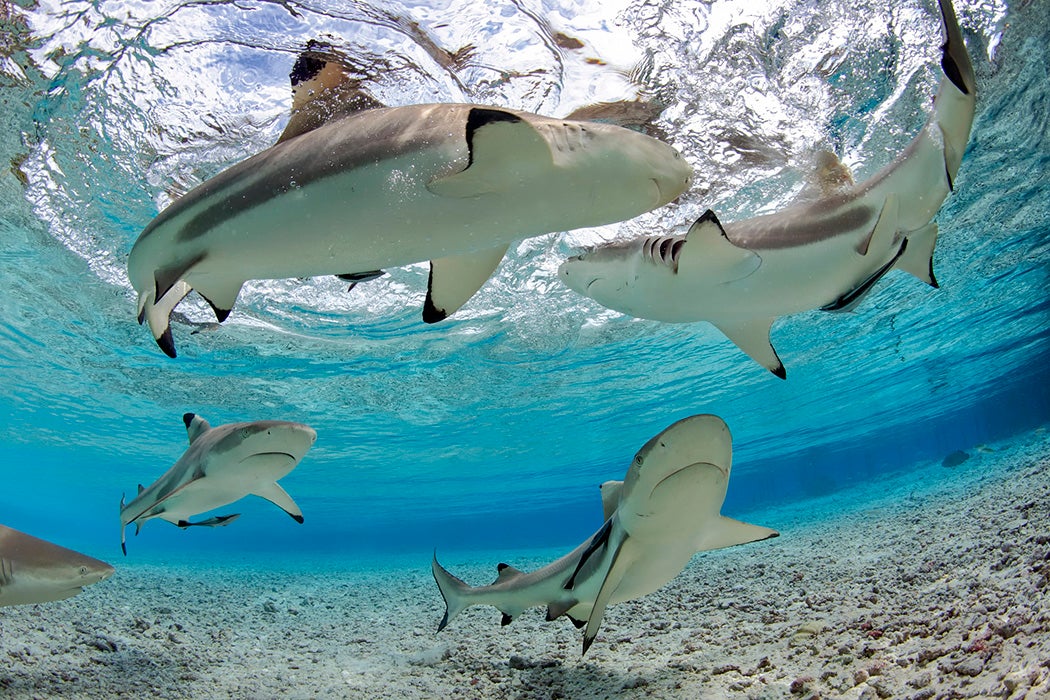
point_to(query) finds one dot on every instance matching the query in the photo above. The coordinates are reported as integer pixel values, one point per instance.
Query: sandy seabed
(931, 584)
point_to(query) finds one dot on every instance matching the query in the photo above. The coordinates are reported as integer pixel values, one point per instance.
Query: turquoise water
(493, 429)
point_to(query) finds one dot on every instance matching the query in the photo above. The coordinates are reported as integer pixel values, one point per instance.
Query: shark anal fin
(752, 336)
(158, 314)
(454, 280)
(217, 521)
(502, 150)
(559, 608)
(597, 543)
(850, 300)
(917, 260)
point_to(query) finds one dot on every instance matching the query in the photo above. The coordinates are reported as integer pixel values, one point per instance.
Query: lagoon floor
(925, 585)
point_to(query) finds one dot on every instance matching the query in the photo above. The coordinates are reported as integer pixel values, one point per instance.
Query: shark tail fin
(453, 590)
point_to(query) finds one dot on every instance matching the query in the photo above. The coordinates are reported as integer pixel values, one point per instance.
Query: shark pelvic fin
(611, 491)
(917, 260)
(217, 521)
(276, 495)
(502, 147)
(158, 315)
(727, 532)
(220, 295)
(559, 608)
(323, 90)
(453, 590)
(708, 248)
(454, 280)
(752, 336)
(885, 229)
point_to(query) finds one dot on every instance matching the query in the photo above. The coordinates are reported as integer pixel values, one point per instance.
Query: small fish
(665, 510)
(33, 570)
(825, 254)
(222, 465)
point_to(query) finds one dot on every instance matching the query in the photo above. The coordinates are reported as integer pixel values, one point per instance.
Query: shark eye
(638, 459)
(83, 571)
(245, 432)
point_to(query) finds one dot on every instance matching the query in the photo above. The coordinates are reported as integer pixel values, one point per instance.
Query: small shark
(353, 187)
(222, 465)
(665, 510)
(33, 570)
(825, 254)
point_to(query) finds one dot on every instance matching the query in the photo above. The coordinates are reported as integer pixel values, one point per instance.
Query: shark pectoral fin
(276, 495)
(708, 251)
(752, 336)
(885, 231)
(611, 491)
(454, 280)
(503, 148)
(158, 315)
(221, 294)
(217, 521)
(621, 561)
(454, 591)
(727, 532)
(849, 301)
(917, 260)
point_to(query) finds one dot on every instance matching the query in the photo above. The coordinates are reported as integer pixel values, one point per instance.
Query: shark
(353, 187)
(666, 509)
(222, 465)
(824, 253)
(33, 570)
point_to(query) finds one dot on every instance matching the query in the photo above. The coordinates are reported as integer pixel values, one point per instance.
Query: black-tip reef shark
(222, 465)
(665, 510)
(824, 254)
(33, 570)
(352, 188)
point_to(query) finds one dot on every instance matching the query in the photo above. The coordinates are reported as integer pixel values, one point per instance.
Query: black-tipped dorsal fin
(195, 426)
(323, 90)
(141, 488)
(507, 573)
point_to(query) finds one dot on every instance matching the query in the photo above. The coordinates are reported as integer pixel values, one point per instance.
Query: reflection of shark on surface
(824, 254)
(353, 188)
(222, 465)
(33, 570)
(665, 510)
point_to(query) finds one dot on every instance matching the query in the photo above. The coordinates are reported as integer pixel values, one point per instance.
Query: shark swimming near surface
(353, 188)
(222, 465)
(667, 508)
(825, 254)
(33, 570)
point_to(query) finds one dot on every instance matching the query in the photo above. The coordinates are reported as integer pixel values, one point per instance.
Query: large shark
(222, 465)
(665, 510)
(33, 570)
(353, 188)
(824, 254)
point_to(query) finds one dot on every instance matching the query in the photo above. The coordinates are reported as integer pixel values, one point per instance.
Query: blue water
(493, 429)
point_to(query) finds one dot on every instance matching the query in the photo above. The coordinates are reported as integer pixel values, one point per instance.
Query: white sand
(941, 592)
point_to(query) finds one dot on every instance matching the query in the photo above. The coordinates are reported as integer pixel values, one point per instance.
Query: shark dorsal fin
(611, 491)
(507, 573)
(195, 426)
(141, 488)
(830, 175)
(323, 90)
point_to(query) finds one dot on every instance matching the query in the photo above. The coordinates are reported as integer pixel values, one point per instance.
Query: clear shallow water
(493, 429)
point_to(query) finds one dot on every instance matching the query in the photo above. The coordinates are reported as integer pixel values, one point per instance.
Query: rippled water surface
(494, 427)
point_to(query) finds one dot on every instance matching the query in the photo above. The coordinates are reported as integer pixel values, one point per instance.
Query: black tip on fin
(780, 371)
(307, 66)
(587, 641)
(431, 313)
(479, 117)
(579, 624)
(142, 316)
(501, 566)
(297, 518)
(951, 69)
(506, 620)
(187, 418)
(166, 343)
(124, 548)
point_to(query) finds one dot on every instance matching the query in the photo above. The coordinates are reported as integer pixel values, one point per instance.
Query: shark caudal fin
(453, 590)
(956, 99)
